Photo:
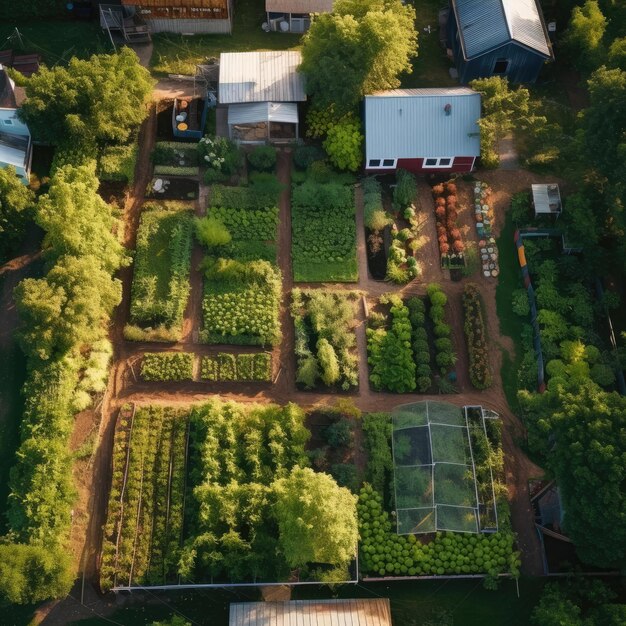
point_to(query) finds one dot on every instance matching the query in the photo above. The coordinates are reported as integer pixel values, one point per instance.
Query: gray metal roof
(252, 112)
(361, 612)
(488, 24)
(260, 77)
(546, 199)
(412, 123)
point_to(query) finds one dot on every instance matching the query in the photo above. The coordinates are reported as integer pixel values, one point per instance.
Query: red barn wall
(459, 164)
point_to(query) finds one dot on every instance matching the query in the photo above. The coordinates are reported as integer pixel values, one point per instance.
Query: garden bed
(172, 188)
(161, 286)
(451, 247)
(325, 342)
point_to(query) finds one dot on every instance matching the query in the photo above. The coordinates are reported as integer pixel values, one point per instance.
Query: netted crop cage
(435, 481)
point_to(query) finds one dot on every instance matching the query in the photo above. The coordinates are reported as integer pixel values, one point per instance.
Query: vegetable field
(143, 530)
(225, 367)
(325, 340)
(161, 286)
(164, 366)
(324, 233)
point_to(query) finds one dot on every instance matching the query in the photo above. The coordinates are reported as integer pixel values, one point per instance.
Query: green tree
(30, 574)
(617, 53)
(99, 100)
(67, 308)
(581, 430)
(503, 110)
(77, 220)
(16, 202)
(556, 609)
(360, 47)
(583, 37)
(316, 519)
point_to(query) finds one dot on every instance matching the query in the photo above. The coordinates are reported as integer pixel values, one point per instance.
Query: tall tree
(316, 519)
(97, 100)
(67, 308)
(16, 202)
(360, 47)
(77, 220)
(581, 430)
(583, 37)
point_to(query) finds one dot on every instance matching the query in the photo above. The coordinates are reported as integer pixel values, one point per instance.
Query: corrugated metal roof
(299, 6)
(402, 125)
(263, 112)
(362, 612)
(261, 77)
(487, 24)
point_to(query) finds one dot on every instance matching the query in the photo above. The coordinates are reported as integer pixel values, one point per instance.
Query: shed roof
(546, 199)
(199, 4)
(485, 25)
(299, 6)
(252, 112)
(261, 77)
(361, 612)
(411, 123)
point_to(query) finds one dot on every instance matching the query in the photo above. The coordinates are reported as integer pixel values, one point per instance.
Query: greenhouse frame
(434, 471)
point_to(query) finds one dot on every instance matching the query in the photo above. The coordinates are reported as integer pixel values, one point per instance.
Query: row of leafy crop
(63, 335)
(325, 340)
(399, 351)
(476, 336)
(223, 367)
(255, 511)
(384, 553)
(142, 533)
(161, 286)
(324, 233)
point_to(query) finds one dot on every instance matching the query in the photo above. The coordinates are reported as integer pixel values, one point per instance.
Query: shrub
(339, 434)
(220, 154)
(263, 158)
(211, 232)
(377, 220)
(437, 314)
(328, 362)
(213, 175)
(405, 190)
(346, 475)
(423, 383)
(442, 330)
(308, 372)
(265, 185)
(443, 344)
(344, 144)
(117, 163)
(304, 155)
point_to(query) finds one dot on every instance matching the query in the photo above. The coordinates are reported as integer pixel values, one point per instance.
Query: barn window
(382, 163)
(440, 162)
(501, 66)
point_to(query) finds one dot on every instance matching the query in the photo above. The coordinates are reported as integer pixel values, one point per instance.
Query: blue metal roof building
(498, 37)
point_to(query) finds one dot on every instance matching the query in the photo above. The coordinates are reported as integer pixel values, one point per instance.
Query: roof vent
(448, 108)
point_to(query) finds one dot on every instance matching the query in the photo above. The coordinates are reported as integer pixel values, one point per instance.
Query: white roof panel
(263, 112)
(269, 76)
(412, 123)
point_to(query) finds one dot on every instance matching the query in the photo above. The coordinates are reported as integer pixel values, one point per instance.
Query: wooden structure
(354, 612)
(425, 131)
(26, 64)
(498, 38)
(294, 16)
(184, 16)
(125, 21)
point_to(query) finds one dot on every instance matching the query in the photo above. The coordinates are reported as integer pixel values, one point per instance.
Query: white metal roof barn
(412, 123)
(357, 612)
(269, 76)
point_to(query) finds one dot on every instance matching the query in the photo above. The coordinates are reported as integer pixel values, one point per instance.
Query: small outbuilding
(182, 16)
(16, 148)
(498, 38)
(353, 612)
(260, 92)
(422, 130)
(293, 16)
(546, 200)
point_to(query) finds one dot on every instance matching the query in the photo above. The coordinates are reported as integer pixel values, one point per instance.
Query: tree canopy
(16, 202)
(97, 100)
(316, 519)
(360, 47)
(581, 430)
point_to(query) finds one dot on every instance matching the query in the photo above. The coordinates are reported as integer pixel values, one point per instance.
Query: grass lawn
(511, 324)
(178, 54)
(430, 68)
(57, 40)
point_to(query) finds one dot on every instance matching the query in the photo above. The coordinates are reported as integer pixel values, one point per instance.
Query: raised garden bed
(165, 188)
(451, 246)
